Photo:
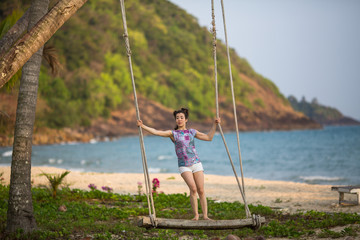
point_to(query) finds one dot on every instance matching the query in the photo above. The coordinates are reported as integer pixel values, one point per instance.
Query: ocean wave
(164, 157)
(320, 178)
(157, 170)
(68, 143)
(53, 161)
(154, 170)
(7, 153)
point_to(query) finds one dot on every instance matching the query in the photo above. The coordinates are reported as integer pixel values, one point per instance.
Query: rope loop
(256, 221)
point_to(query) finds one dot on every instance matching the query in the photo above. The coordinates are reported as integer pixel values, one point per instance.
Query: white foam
(7, 153)
(154, 170)
(52, 160)
(164, 157)
(59, 161)
(319, 178)
(83, 162)
(93, 141)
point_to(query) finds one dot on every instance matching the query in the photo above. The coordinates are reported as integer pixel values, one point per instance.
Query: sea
(329, 156)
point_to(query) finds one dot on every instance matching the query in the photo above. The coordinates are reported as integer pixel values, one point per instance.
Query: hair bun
(185, 110)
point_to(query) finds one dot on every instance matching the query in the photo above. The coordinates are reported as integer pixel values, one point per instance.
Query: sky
(308, 48)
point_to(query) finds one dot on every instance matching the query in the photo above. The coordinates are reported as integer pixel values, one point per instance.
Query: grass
(103, 215)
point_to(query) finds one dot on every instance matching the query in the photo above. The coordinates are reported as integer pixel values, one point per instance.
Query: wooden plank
(200, 224)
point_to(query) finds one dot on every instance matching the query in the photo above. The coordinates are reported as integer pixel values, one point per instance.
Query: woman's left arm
(210, 135)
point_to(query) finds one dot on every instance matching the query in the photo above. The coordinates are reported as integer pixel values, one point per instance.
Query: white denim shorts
(194, 168)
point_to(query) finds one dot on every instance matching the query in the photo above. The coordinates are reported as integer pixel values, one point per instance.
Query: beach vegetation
(1, 178)
(156, 185)
(92, 186)
(55, 181)
(107, 189)
(107, 215)
(139, 187)
(348, 231)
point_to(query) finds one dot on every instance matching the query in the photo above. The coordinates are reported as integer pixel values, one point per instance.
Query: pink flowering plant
(156, 185)
(92, 186)
(107, 189)
(139, 187)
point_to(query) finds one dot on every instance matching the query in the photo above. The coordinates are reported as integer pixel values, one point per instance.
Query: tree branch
(14, 33)
(25, 47)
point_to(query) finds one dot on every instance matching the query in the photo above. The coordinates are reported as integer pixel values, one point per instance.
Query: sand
(284, 196)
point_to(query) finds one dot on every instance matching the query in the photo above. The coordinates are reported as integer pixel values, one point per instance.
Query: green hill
(173, 65)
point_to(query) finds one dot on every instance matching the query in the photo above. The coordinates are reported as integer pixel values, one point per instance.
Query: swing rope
(241, 188)
(233, 96)
(150, 199)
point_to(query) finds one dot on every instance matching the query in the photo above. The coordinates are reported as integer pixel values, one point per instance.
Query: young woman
(190, 167)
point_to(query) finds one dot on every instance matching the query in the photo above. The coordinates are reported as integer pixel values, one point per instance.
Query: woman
(190, 167)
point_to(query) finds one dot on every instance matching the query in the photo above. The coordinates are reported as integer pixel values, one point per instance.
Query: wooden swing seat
(200, 224)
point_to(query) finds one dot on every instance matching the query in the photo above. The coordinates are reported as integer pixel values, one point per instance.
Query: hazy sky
(307, 48)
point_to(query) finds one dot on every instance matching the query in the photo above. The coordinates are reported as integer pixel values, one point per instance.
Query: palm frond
(55, 181)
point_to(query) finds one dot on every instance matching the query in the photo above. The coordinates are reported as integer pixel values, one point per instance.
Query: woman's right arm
(154, 131)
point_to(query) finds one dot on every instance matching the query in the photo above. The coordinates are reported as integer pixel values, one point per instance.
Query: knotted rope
(241, 188)
(150, 199)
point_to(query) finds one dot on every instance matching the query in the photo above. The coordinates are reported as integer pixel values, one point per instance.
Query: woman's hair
(185, 111)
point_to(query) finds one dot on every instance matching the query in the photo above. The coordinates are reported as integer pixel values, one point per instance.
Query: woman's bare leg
(199, 181)
(189, 180)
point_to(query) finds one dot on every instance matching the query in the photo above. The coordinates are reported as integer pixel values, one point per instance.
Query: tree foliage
(172, 59)
(314, 110)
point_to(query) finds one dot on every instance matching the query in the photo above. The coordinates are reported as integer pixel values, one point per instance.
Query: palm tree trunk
(20, 210)
(25, 47)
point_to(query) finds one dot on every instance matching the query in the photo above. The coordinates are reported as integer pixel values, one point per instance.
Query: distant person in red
(190, 167)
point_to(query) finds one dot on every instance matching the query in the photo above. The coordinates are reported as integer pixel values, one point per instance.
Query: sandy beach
(285, 196)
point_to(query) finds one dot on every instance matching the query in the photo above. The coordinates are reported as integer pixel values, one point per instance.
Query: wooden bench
(350, 190)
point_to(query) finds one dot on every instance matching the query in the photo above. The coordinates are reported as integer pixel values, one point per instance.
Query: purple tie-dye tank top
(185, 147)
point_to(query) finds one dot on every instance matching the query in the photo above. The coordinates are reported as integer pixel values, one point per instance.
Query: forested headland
(89, 94)
(320, 113)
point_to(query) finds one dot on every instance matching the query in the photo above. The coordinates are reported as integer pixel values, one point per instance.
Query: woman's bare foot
(195, 218)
